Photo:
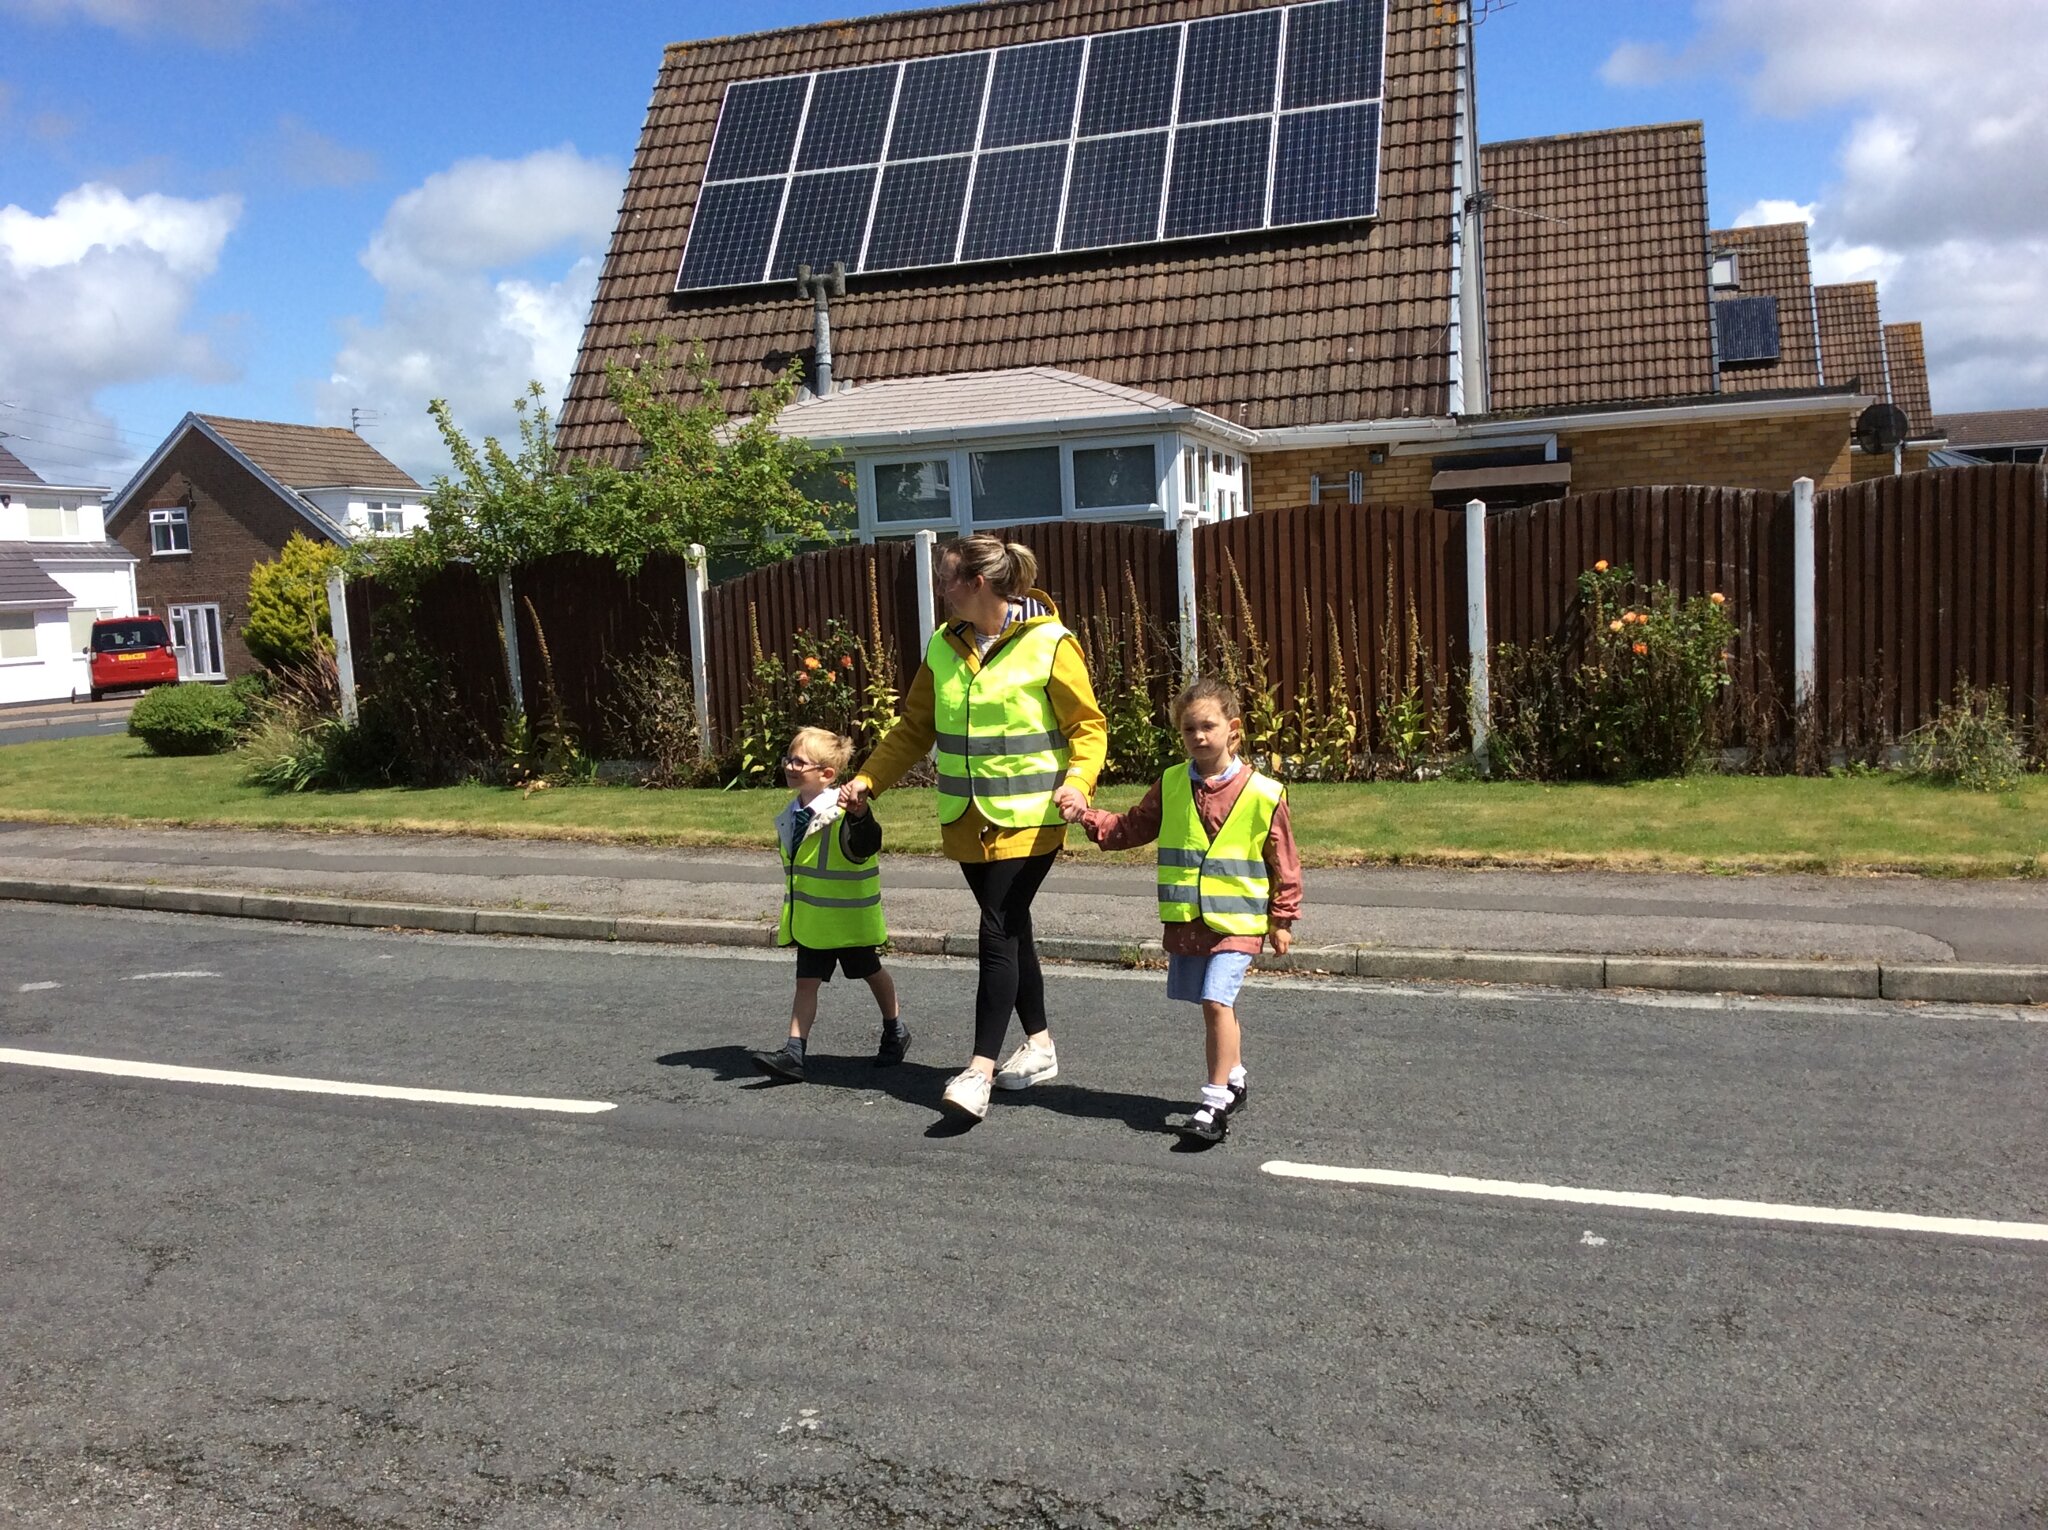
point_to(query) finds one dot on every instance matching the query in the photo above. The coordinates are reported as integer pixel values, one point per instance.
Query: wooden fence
(1919, 583)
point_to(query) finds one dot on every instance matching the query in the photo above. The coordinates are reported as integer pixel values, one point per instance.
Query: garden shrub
(188, 719)
(1971, 743)
(653, 716)
(287, 624)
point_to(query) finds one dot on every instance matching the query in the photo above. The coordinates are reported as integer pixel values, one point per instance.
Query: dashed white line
(37, 987)
(171, 1073)
(1759, 1211)
(151, 977)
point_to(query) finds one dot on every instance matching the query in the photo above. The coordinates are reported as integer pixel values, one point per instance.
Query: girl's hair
(826, 747)
(1208, 688)
(1010, 568)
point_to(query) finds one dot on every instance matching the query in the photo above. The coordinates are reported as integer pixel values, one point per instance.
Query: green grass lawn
(1856, 824)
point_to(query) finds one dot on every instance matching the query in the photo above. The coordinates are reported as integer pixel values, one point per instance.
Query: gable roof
(1995, 427)
(1905, 359)
(985, 403)
(1285, 327)
(1772, 261)
(1596, 267)
(311, 456)
(15, 472)
(1852, 337)
(208, 427)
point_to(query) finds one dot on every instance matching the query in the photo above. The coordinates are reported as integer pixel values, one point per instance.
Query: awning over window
(1548, 473)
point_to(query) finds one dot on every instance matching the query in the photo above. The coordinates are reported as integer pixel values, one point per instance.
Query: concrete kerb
(1952, 983)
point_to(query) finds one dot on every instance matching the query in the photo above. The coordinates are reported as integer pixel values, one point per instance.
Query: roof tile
(1852, 337)
(1905, 355)
(311, 456)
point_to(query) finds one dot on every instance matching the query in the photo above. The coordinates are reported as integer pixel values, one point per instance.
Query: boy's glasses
(791, 762)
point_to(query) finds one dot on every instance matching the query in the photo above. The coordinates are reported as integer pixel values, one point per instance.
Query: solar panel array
(1261, 119)
(1749, 329)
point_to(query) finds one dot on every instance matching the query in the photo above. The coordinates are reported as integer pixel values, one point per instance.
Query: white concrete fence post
(1476, 634)
(1803, 634)
(922, 545)
(344, 651)
(700, 658)
(508, 621)
(1184, 540)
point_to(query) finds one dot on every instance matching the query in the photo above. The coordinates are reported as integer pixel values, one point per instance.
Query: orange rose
(1642, 648)
(1614, 626)
(811, 662)
(1600, 567)
(802, 679)
(846, 661)
(1718, 598)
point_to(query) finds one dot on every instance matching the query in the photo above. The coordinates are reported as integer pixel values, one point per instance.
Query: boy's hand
(853, 795)
(857, 809)
(1283, 937)
(1070, 802)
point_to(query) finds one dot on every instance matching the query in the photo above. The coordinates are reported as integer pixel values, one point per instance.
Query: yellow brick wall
(1742, 454)
(1867, 465)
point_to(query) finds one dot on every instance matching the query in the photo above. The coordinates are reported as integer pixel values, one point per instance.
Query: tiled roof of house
(1995, 427)
(1771, 261)
(14, 471)
(311, 456)
(967, 401)
(1905, 354)
(23, 582)
(1596, 267)
(1278, 328)
(1852, 337)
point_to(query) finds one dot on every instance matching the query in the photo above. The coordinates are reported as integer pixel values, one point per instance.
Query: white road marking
(1761, 1211)
(122, 1068)
(151, 977)
(37, 987)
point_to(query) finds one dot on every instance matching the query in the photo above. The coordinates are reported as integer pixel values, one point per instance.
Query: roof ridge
(1693, 124)
(233, 419)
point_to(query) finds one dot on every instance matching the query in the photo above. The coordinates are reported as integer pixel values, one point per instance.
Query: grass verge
(1707, 823)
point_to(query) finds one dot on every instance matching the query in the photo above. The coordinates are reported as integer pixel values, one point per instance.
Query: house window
(53, 521)
(1019, 485)
(914, 491)
(17, 635)
(170, 531)
(82, 618)
(1727, 271)
(384, 519)
(1115, 477)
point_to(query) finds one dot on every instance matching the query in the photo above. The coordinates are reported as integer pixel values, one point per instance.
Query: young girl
(1229, 877)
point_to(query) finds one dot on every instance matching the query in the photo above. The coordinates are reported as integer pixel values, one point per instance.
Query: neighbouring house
(1886, 361)
(1250, 254)
(220, 496)
(58, 575)
(1996, 435)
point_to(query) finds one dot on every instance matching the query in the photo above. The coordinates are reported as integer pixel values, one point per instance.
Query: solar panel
(1749, 328)
(1267, 118)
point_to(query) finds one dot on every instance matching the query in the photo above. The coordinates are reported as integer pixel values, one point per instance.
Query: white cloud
(1774, 210)
(99, 292)
(465, 316)
(214, 22)
(1942, 193)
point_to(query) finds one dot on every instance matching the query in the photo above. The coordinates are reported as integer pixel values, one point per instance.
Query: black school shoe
(1204, 1124)
(780, 1064)
(893, 1045)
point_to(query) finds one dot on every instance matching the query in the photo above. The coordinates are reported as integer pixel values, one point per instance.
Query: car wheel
(97, 693)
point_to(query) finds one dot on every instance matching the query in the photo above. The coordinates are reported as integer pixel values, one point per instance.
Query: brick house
(1405, 317)
(1996, 435)
(220, 496)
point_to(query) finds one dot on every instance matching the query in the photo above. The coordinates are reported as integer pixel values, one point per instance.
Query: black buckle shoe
(781, 1064)
(1204, 1124)
(1240, 1097)
(893, 1045)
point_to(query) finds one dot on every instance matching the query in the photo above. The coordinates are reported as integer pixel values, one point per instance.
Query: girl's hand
(1283, 938)
(1070, 802)
(854, 795)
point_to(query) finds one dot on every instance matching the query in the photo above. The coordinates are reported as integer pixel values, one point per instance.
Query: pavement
(1896, 937)
(705, 1301)
(36, 721)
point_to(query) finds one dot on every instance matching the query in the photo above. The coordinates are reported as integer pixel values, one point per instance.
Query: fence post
(927, 608)
(344, 651)
(1803, 644)
(700, 661)
(508, 622)
(1475, 631)
(1184, 540)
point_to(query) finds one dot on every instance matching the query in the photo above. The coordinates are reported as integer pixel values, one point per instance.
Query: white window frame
(181, 620)
(70, 520)
(91, 614)
(867, 503)
(1155, 508)
(1731, 262)
(170, 516)
(34, 655)
(1063, 468)
(375, 509)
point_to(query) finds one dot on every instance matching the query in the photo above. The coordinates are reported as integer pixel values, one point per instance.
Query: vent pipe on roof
(821, 288)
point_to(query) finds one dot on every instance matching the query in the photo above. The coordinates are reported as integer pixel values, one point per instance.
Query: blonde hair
(828, 749)
(1010, 568)
(1208, 688)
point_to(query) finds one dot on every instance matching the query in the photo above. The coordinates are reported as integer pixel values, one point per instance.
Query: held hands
(853, 797)
(1070, 802)
(1283, 938)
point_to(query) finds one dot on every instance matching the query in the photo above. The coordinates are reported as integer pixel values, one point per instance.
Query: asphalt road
(728, 1304)
(51, 720)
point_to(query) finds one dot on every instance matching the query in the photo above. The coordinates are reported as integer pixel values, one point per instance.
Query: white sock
(1215, 1096)
(1237, 1076)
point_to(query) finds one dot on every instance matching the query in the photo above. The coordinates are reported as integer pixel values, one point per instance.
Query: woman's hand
(853, 796)
(1070, 802)
(1283, 938)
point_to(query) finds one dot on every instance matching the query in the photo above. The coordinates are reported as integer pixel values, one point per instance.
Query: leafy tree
(287, 626)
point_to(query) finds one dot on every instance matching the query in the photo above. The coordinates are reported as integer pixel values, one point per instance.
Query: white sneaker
(1029, 1065)
(966, 1095)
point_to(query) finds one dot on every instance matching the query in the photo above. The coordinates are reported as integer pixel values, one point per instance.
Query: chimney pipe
(820, 288)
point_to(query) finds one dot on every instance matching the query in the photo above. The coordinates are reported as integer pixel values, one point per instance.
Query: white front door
(195, 636)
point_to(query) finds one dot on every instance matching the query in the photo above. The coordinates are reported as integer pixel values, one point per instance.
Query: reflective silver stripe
(995, 787)
(1234, 905)
(817, 902)
(1216, 865)
(1169, 894)
(982, 745)
(1188, 858)
(825, 874)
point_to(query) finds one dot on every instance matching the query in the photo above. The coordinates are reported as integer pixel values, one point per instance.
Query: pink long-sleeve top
(1214, 799)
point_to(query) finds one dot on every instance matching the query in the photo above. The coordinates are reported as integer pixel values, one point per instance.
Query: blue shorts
(1214, 978)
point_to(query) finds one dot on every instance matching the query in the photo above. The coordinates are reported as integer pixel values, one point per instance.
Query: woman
(1004, 696)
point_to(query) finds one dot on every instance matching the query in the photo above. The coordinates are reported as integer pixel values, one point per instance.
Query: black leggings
(1010, 979)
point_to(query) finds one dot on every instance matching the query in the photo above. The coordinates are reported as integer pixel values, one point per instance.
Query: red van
(131, 653)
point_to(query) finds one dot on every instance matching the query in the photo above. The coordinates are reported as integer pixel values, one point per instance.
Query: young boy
(831, 898)
(1229, 879)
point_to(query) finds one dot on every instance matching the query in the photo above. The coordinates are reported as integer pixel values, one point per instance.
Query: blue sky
(413, 197)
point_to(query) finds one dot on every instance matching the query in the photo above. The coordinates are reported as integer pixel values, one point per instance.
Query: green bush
(188, 719)
(1971, 743)
(287, 622)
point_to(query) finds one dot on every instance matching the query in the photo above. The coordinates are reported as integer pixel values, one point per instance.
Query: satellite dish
(1881, 427)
